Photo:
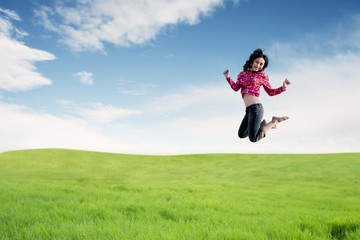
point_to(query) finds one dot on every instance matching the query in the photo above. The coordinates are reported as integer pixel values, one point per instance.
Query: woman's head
(257, 61)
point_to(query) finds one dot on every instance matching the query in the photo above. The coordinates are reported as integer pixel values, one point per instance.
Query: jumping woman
(249, 81)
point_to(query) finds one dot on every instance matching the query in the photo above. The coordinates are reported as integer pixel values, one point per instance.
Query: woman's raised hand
(227, 73)
(286, 83)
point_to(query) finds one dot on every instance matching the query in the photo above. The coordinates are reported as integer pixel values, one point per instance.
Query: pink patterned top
(250, 83)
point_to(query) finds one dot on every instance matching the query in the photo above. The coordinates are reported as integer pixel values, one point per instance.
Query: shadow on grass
(339, 230)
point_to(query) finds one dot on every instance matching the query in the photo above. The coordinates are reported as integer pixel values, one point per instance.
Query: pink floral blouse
(250, 83)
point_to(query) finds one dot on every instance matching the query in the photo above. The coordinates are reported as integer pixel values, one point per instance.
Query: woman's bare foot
(279, 119)
(271, 125)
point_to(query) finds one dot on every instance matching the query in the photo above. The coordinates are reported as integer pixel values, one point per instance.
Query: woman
(249, 81)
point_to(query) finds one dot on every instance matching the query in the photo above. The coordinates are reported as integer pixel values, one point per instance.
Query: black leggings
(250, 125)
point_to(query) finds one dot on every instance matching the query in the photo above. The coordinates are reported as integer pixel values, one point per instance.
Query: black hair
(258, 53)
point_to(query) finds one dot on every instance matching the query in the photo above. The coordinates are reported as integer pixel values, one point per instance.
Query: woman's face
(258, 64)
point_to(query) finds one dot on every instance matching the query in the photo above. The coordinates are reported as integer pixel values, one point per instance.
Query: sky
(145, 76)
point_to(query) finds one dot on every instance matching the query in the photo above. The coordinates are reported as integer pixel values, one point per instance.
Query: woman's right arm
(235, 86)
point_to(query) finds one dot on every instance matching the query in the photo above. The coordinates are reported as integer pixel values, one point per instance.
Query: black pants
(250, 125)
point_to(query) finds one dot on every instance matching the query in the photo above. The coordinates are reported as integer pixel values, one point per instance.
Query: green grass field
(65, 194)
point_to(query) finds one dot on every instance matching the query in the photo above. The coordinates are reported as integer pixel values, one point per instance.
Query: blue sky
(145, 76)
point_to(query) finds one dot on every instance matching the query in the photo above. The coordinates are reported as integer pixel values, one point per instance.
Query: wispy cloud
(87, 25)
(10, 14)
(105, 113)
(85, 78)
(98, 112)
(17, 69)
(133, 88)
(64, 102)
(25, 129)
(202, 98)
(342, 37)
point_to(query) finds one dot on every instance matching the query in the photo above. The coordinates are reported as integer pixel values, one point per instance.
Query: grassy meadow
(66, 194)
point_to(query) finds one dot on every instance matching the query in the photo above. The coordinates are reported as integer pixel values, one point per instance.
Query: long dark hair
(258, 53)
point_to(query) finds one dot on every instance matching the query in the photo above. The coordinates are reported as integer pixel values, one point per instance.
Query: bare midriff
(250, 99)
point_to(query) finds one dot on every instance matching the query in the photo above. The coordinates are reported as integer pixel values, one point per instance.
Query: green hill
(66, 194)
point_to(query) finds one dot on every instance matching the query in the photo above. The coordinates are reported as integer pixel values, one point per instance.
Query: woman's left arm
(272, 92)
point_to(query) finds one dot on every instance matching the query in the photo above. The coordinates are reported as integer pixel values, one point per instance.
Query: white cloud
(64, 102)
(85, 78)
(24, 128)
(134, 88)
(105, 113)
(204, 97)
(17, 69)
(323, 94)
(347, 33)
(343, 37)
(87, 25)
(10, 14)
(98, 112)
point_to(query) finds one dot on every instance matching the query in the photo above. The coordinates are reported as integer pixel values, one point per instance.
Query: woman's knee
(242, 135)
(253, 139)
(260, 135)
